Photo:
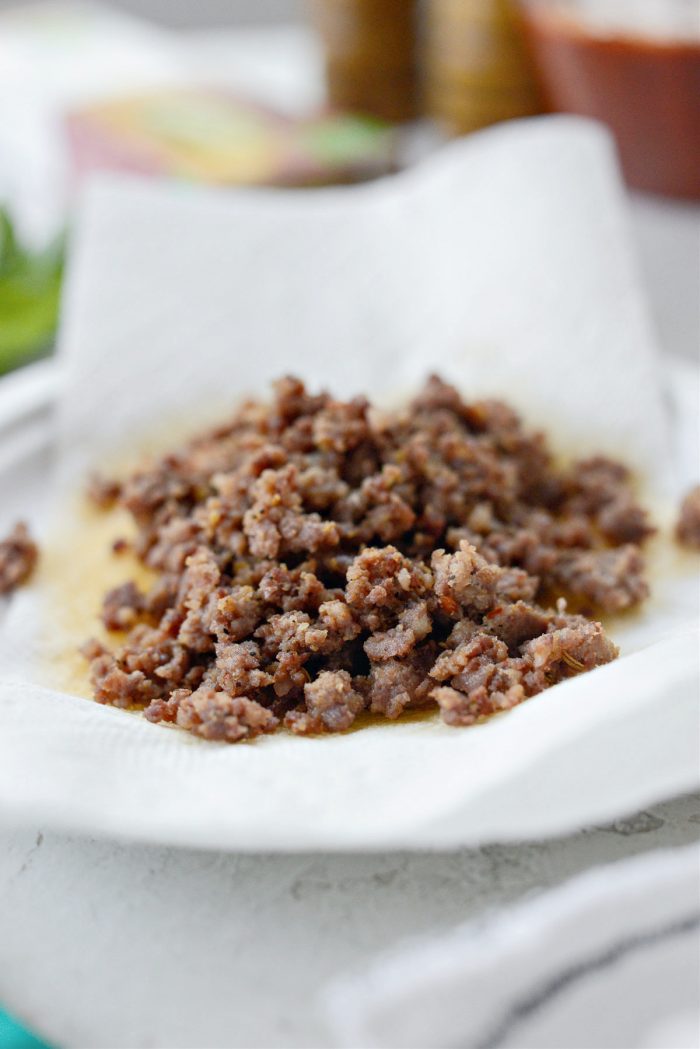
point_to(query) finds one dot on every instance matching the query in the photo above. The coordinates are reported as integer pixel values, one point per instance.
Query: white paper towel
(504, 264)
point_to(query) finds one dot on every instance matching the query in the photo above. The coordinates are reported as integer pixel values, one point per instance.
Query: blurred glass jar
(634, 64)
(477, 67)
(370, 48)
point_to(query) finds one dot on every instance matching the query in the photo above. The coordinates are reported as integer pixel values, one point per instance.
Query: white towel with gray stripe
(610, 960)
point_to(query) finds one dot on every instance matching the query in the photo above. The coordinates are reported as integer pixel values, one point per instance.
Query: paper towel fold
(504, 264)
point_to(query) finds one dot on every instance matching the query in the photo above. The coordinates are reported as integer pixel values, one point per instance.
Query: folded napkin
(608, 961)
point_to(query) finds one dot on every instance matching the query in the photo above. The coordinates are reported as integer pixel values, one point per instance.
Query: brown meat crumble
(688, 526)
(316, 559)
(18, 556)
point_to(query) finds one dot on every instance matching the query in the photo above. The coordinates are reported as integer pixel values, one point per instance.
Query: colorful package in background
(210, 135)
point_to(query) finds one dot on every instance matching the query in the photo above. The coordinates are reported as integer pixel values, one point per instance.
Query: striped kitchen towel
(610, 960)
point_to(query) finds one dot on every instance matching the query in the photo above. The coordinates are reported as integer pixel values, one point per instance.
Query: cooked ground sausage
(316, 559)
(18, 556)
(688, 526)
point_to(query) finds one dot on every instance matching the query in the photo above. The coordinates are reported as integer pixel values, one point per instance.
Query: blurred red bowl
(634, 64)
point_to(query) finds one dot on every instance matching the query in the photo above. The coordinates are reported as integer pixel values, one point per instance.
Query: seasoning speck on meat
(688, 526)
(314, 560)
(18, 556)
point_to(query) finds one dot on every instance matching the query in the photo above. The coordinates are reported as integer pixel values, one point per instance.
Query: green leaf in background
(30, 286)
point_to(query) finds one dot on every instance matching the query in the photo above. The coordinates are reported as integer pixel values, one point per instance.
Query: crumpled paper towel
(503, 263)
(607, 961)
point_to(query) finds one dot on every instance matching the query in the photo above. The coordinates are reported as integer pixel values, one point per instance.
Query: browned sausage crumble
(688, 526)
(18, 556)
(316, 559)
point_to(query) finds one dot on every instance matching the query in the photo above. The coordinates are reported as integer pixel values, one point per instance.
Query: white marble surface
(105, 945)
